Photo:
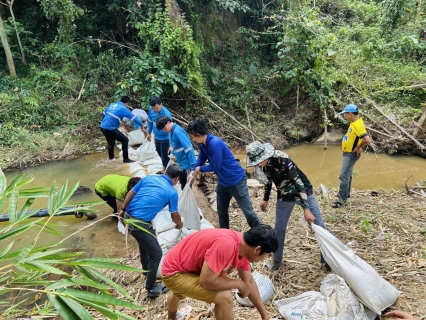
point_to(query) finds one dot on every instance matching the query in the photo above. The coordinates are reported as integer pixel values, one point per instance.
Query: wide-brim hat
(258, 152)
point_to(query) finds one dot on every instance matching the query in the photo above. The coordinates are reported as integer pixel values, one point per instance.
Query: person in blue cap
(354, 140)
(111, 119)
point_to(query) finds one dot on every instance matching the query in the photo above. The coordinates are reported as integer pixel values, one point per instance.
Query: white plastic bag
(147, 151)
(265, 286)
(373, 291)
(154, 168)
(342, 302)
(188, 208)
(205, 224)
(132, 152)
(140, 173)
(135, 137)
(310, 305)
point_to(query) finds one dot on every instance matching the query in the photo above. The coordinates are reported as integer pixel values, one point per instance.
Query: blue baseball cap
(350, 108)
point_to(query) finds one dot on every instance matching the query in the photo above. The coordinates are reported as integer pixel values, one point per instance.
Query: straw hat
(257, 153)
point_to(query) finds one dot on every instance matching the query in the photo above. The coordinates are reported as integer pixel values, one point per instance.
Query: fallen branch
(82, 89)
(379, 132)
(393, 122)
(209, 100)
(412, 87)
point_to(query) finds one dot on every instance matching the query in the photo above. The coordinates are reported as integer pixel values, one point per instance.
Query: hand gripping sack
(188, 208)
(373, 291)
(135, 137)
(147, 151)
(265, 286)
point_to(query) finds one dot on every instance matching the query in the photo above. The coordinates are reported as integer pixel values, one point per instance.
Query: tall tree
(7, 51)
(10, 5)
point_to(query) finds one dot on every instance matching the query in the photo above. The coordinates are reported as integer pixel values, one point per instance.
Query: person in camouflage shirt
(293, 187)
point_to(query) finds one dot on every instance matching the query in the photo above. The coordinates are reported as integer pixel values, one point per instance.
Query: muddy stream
(102, 238)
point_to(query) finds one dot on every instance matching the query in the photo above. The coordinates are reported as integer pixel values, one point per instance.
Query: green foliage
(149, 76)
(173, 43)
(394, 11)
(305, 50)
(29, 269)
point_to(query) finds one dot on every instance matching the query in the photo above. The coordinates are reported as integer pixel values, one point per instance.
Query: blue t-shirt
(153, 193)
(182, 147)
(152, 119)
(114, 114)
(221, 161)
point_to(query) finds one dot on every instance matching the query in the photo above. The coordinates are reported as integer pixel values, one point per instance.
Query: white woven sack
(154, 168)
(165, 250)
(132, 153)
(135, 167)
(373, 291)
(342, 302)
(135, 137)
(310, 305)
(265, 286)
(155, 160)
(188, 208)
(162, 222)
(147, 151)
(140, 174)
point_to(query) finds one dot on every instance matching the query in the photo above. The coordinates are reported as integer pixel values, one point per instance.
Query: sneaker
(157, 290)
(128, 161)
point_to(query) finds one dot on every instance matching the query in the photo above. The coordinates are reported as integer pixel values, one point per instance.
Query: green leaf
(76, 282)
(51, 200)
(25, 208)
(63, 308)
(39, 255)
(41, 192)
(82, 313)
(105, 265)
(100, 298)
(107, 312)
(15, 181)
(13, 205)
(111, 283)
(2, 183)
(24, 252)
(23, 183)
(43, 267)
(6, 249)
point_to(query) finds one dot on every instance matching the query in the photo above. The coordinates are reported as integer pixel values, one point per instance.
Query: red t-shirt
(218, 247)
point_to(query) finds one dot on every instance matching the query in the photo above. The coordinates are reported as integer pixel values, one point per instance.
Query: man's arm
(212, 281)
(177, 219)
(129, 198)
(119, 204)
(254, 295)
(365, 140)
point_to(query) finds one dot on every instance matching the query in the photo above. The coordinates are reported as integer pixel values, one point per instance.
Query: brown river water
(103, 239)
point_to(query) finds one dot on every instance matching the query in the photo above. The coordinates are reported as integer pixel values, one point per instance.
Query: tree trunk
(17, 33)
(173, 10)
(421, 125)
(7, 51)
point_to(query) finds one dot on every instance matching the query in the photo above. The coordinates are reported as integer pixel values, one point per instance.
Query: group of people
(197, 267)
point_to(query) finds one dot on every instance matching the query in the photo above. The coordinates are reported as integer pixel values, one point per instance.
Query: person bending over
(198, 266)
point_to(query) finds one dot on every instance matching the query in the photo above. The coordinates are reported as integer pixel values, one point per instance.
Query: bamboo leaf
(6, 249)
(78, 309)
(2, 182)
(27, 205)
(104, 265)
(40, 192)
(32, 283)
(39, 255)
(110, 313)
(112, 284)
(15, 181)
(13, 205)
(63, 199)
(43, 267)
(2, 202)
(4, 234)
(24, 252)
(100, 298)
(24, 182)
(76, 282)
(63, 309)
(51, 199)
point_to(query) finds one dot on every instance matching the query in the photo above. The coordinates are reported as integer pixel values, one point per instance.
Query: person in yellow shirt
(354, 140)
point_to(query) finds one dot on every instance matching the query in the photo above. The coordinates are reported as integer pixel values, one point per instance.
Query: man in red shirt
(198, 267)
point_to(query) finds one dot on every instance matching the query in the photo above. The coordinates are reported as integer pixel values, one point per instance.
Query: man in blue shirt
(143, 201)
(162, 145)
(111, 119)
(232, 181)
(180, 144)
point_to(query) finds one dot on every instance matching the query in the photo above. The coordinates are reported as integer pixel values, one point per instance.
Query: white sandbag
(132, 153)
(154, 168)
(155, 160)
(342, 302)
(135, 167)
(310, 305)
(178, 189)
(205, 224)
(147, 151)
(140, 174)
(265, 286)
(253, 183)
(188, 208)
(162, 222)
(135, 137)
(374, 292)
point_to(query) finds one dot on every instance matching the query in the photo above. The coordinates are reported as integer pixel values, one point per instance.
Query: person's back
(221, 161)
(182, 147)
(113, 185)
(113, 115)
